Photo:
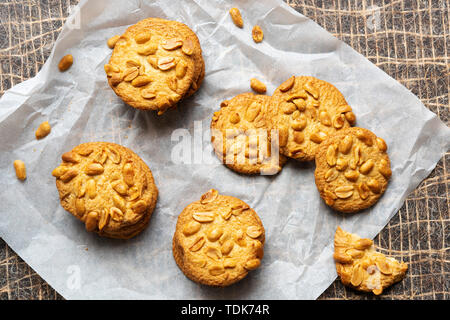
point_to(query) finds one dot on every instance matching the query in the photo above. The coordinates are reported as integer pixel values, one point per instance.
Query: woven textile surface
(408, 39)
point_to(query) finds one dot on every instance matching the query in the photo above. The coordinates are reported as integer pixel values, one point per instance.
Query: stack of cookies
(108, 187)
(305, 119)
(155, 64)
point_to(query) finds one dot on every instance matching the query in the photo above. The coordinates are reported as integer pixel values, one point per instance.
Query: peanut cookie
(306, 110)
(359, 266)
(240, 137)
(108, 187)
(352, 169)
(218, 240)
(154, 64)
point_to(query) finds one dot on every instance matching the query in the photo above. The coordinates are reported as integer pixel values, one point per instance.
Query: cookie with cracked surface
(108, 187)
(240, 137)
(218, 240)
(352, 169)
(361, 267)
(305, 110)
(153, 65)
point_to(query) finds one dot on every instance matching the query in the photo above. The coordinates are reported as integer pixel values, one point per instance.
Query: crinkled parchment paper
(81, 107)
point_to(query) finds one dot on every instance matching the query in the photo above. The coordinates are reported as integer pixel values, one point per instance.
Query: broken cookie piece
(359, 266)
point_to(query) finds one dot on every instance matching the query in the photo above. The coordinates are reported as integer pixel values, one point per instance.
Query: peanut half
(43, 130)
(257, 85)
(257, 34)
(19, 166)
(236, 17)
(65, 63)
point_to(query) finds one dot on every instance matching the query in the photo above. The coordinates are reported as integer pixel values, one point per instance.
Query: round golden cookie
(352, 169)
(218, 240)
(306, 110)
(153, 65)
(240, 137)
(108, 187)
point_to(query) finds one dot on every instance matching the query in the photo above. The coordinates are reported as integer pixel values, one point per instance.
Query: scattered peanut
(19, 166)
(236, 17)
(257, 34)
(43, 130)
(65, 63)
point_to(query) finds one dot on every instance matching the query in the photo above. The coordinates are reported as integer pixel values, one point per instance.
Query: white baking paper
(81, 107)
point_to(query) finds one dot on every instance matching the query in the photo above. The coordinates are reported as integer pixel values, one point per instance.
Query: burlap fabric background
(407, 39)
